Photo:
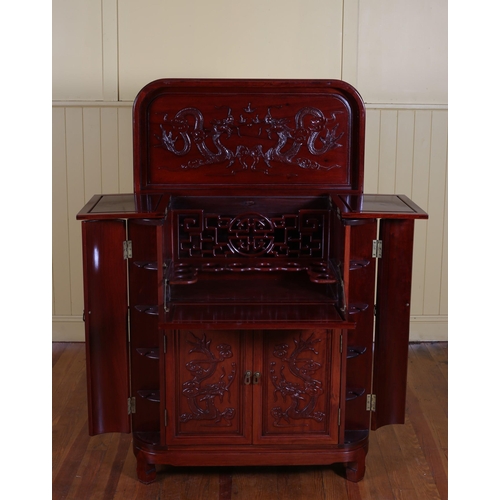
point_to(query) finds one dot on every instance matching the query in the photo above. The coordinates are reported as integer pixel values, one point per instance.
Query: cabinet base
(148, 455)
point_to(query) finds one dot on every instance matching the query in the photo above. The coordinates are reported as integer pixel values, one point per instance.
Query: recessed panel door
(297, 387)
(208, 389)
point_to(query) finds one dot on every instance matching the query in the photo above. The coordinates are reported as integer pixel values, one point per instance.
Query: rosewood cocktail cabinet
(248, 304)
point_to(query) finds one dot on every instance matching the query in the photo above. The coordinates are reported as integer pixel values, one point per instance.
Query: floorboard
(405, 462)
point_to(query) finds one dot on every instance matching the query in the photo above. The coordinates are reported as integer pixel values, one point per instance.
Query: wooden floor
(404, 462)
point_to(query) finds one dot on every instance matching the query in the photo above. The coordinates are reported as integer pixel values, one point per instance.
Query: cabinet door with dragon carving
(299, 389)
(207, 387)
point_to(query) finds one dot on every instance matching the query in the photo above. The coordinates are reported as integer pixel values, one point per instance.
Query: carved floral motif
(201, 395)
(312, 131)
(304, 391)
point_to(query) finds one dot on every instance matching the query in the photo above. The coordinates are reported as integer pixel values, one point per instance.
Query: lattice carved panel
(206, 235)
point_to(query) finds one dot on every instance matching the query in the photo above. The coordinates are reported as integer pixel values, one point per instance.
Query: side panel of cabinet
(144, 285)
(297, 395)
(392, 321)
(360, 344)
(207, 399)
(105, 296)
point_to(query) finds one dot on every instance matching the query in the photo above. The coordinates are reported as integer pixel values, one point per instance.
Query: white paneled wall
(393, 51)
(92, 154)
(406, 153)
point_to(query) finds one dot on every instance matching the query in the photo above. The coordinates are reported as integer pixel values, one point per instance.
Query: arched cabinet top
(295, 136)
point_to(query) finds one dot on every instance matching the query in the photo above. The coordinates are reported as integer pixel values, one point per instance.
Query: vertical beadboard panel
(109, 150)
(420, 194)
(443, 303)
(436, 207)
(92, 154)
(76, 199)
(60, 233)
(92, 151)
(125, 152)
(404, 152)
(387, 157)
(372, 150)
(407, 149)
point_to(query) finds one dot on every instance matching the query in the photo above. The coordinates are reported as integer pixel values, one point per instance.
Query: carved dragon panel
(294, 379)
(262, 139)
(204, 393)
(309, 131)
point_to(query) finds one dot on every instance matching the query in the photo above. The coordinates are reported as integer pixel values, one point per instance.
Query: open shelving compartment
(251, 259)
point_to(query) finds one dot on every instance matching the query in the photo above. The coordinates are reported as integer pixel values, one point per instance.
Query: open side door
(106, 323)
(392, 322)
(394, 252)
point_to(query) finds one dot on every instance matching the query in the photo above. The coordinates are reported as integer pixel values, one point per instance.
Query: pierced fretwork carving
(312, 133)
(200, 393)
(304, 391)
(251, 234)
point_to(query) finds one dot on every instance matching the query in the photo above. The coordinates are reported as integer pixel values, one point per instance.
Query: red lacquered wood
(297, 392)
(252, 252)
(377, 205)
(392, 326)
(352, 456)
(207, 398)
(250, 133)
(360, 340)
(126, 206)
(146, 471)
(252, 316)
(105, 290)
(144, 336)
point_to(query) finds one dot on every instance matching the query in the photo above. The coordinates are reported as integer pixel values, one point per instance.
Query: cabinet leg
(355, 470)
(146, 472)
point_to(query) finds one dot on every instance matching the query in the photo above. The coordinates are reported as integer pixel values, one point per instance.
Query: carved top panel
(207, 134)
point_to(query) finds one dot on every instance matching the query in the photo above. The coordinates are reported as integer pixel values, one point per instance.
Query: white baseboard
(68, 329)
(429, 328)
(422, 329)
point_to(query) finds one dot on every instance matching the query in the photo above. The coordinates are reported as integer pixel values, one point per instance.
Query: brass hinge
(371, 402)
(130, 405)
(377, 249)
(127, 249)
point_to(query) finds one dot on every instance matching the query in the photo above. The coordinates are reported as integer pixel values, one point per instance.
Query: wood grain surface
(405, 462)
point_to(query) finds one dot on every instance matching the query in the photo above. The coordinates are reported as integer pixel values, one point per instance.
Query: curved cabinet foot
(146, 472)
(355, 470)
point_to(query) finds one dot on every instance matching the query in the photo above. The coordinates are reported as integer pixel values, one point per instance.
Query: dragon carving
(201, 395)
(303, 394)
(311, 131)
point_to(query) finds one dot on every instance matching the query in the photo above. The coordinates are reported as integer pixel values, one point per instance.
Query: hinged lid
(307, 136)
